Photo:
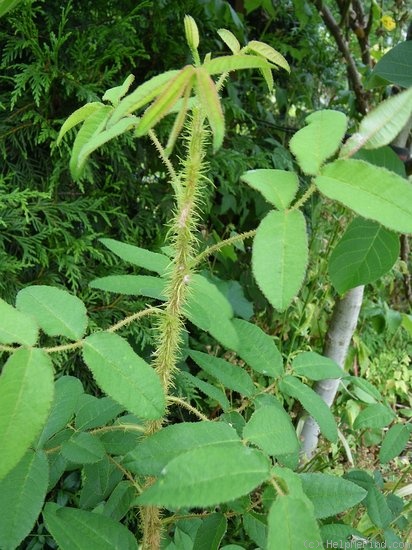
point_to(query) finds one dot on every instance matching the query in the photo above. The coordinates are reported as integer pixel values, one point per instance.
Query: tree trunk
(341, 329)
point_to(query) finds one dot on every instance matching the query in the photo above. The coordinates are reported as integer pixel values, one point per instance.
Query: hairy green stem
(188, 406)
(170, 324)
(308, 193)
(227, 242)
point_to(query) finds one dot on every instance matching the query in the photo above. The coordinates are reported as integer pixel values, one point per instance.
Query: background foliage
(56, 58)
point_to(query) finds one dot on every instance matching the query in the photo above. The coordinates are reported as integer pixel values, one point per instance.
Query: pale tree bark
(341, 329)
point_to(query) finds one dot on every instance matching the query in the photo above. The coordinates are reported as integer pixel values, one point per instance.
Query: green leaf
(207, 476)
(78, 116)
(269, 53)
(256, 528)
(144, 94)
(370, 191)
(374, 416)
(174, 90)
(209, 309)
(385, 157)
(280, 253)
(365, 253)
(208, 389)
(102, 137)
(16, 327)
(291, 525)
(8, 5)
(234, 292)
(279, 187)
(396, 65)
(365, 386)
(152, 261)
(114, 95)
(361, 478)
(26, 394)
(377, 508)
(210, 101)
(67, 391)
(99, 480)
(135, 285)
(316, 367)
(227, 63)
(230, 40)
(339, 534)
(123, 375)
(258, 349)
(83, 448)
(313, 404)
(330, 494)
(154, 452)
(394, 442)
(231, 376)
(211, 532)
(120, 501)
(381, 125)
(57, 312)
(315, 143)
(22, 494)
(268, 76)
(93, 412)
(121, 440)
(93, 124)
(180, 107)
(271, 429)
(74, 529)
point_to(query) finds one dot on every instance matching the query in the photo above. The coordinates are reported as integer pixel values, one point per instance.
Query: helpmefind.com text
(357, 543)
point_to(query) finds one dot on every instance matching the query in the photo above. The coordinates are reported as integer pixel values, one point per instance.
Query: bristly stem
(227, 242)
(170, 324)
(306, 195)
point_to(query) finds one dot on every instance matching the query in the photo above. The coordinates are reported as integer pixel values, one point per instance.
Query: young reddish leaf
(227, 63)
(269, 53)
(78, 116)
(144, 94)
(179, 121)
(230, 40)
(91, 127)
(210, 101)
(115, 94)
(166, 100)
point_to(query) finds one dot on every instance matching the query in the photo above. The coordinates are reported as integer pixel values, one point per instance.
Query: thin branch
(362, 28)
(277, 487)
(308, 193)
(75, 345)
(187, 406)
(123, 427)
(126, 474)
(353, 74)
(165, 160)
(64, 347)
(127, 320)
(9, 349)
(216, 247)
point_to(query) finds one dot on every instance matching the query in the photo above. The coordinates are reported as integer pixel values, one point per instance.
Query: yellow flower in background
(388, 22)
